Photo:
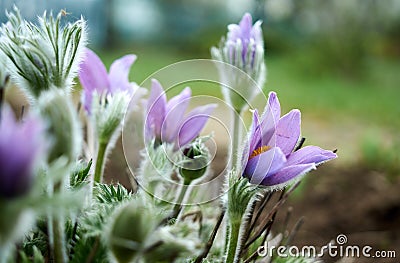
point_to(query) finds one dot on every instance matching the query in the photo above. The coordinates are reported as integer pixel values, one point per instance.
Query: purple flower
(269, 158)
(243, 49)
(167, 122)
(246, 35)
(94, 78)
(21, 146)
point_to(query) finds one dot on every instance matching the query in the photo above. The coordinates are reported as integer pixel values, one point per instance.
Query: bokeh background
(335, 60)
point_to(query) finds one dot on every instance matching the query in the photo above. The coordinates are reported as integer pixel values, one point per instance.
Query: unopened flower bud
(242, 48)
(195, 162)
(64, 128)
(130, 230)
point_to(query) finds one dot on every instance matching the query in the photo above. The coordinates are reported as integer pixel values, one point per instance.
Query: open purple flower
(167, 122)
(94, 77)
(21, 144)
(246, 35)
(269, 158)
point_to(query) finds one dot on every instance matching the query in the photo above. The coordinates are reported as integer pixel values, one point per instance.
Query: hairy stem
(236, 137)
(58, 240)
(178, 206)
(99, 168)
(233, 241)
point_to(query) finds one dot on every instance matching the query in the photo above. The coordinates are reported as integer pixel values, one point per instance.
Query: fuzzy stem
(233, 242)
(99, 168)
(227, 231)
(58, 241)
(178, 205)
(236, 137)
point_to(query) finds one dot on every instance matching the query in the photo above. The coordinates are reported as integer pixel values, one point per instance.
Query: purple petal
(310, 154)
(255, 132)
(194, 123)
(245, 26)
(270, 119)
(175, 111)
(155, 109)
(253, 137)
(234, 33)
(288, 131)
(21, 146)
(93, 77)
(256, 33)
(264, 164)
(119, 72)
(288, 173)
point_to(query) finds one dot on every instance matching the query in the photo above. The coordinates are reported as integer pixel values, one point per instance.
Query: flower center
(259, 151)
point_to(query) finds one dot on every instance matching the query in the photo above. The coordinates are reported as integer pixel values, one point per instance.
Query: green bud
(108, 112)
(64, 128)
(130, 229)
(195, 161)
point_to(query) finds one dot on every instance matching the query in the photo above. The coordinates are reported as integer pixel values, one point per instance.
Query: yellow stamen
(259, 151)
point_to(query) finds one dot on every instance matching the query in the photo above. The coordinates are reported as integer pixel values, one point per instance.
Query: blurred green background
(336, 60)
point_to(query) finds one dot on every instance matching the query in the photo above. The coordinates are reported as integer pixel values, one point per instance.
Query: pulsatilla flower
(269, 158)
(243, 47)
(95, 79)
(21, 146)
(106, 98)
(166, 122)
(245, 43)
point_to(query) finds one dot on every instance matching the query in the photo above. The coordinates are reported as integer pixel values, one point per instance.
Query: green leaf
(109, 194)
(80, 174)
(36, 258)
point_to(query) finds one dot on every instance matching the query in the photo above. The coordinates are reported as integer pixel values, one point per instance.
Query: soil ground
(352, 200)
